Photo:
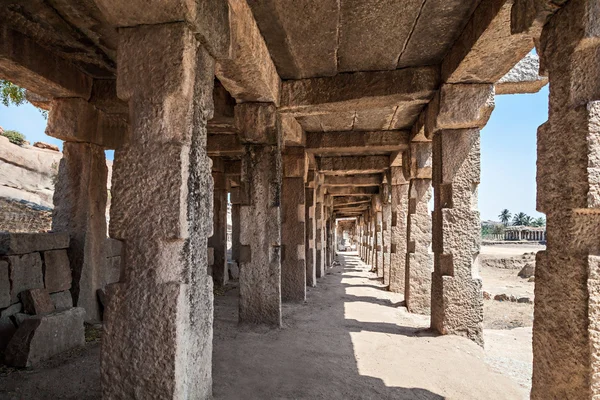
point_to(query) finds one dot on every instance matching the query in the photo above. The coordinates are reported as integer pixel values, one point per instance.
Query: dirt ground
(350, 340)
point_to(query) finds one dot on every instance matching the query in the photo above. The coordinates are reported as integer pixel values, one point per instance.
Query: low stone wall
(23, 216)
(35, 279)
(516, 262)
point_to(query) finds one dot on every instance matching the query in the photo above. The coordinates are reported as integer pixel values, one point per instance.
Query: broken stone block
(527, 271)
(25, 273)
(5, 299)
(501, 297)
(24, 243)
(57, 271)
(41, 337)
(7, 331)
(62, 300)
(12, 310)
(525, 300)
(37, 302)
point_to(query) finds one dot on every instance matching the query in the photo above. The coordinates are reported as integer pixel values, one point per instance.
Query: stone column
(235, 224)
(566, 329)
(419, 260)
(320, 231)
(457, 299)
(218, 240)
(330, 226)
(293, 264)
(157, 340)
(378, 247)
(309, 215)
(386, 213)
(398, 240)
(260, 213)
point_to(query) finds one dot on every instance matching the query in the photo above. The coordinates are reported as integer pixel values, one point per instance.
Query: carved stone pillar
(399, 209)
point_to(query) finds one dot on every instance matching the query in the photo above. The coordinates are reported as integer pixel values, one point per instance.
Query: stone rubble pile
(37, 317)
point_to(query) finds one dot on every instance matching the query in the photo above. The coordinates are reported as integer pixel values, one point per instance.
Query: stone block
(12, 310)
(24, 243)
(20, 317)
(257, 123)
(113, 270)
(234, 270)
(36, 302)
(5, 300)
(7, 331)
(25, 273)
(41, 337)
(113, 247)
(57, 271)
(62, 300)
(463, 106)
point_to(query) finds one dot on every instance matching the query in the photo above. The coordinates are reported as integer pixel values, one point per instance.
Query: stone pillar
(260, 213)
(80, 199)
(419, 260)
(457, 299)
(386, 212)
(293, 233)
(157, 340)
(398, 241)
(320, 231)
(235, 224)
(378, 250)
(457, 302)
(309, 217)
(330, 226)
(218, 240)
(566, 329)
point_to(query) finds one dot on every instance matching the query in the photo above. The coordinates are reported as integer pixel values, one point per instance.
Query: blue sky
(508, 149)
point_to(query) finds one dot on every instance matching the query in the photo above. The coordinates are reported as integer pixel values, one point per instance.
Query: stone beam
(356, 142)
(530, 16)
(353, 165)
(360, 90)
(224, 146)
(27, 64)
(353, 180)
(207, 19)
(352, 191)
(486, 50)
(523, 78)
(249, 74)
(338, 201)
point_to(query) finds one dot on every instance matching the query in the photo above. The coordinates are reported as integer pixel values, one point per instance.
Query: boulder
(62, 300)
(25, 273)
(527, 271)
(37, 302)
(525, 300)
(501, 297)
(47, 146)
(57, 271)
(41, 337)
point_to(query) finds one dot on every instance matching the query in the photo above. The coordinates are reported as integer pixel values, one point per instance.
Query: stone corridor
(323, 351)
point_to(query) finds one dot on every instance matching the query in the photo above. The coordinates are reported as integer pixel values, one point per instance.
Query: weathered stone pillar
(80, 195)
(419, 260)
(157, 340)
(330, 228)
(309, 215)
(398, 241)
(260, 213)
(457, 300)
(218, 240)
(386, 212)
(566, 328)
(320, 228)
(378, 237)
(293, 233)
(80, 199)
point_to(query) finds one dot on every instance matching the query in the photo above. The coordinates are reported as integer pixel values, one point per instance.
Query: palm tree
(528, 221)
(505, 217)
(519, 219)
(539, 222)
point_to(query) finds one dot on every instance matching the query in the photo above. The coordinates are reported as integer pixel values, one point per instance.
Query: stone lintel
(353, 180)
(486, 50)
(359, 90)
(293, 133)
(339, 201)
(352, 191)
(523, 78)
(249, 73)
(356, 142)
(294, 163)
(529, 16)
(207, 19)
(27, 64)
(353, 165)
(224, 146)
(418, 161)
(104, 97)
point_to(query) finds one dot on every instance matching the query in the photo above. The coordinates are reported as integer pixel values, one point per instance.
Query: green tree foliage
(11, 93)
(505, 216)
(539, 222)
(14, 137)
(520, 219)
